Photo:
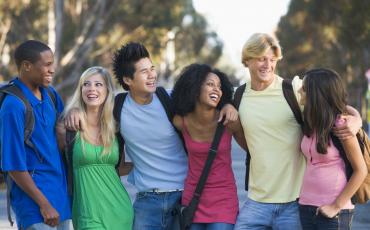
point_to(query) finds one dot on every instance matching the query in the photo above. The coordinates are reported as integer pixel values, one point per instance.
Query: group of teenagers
(297, 178)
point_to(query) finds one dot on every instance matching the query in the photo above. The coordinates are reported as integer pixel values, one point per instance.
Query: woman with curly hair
(198, 95)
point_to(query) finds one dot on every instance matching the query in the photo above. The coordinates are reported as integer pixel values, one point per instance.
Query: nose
(153, 74)
(52, 69)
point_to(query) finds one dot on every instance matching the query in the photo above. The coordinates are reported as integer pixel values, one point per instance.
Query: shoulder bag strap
(211, 156)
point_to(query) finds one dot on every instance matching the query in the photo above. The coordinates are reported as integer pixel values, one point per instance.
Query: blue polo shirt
(47, 173)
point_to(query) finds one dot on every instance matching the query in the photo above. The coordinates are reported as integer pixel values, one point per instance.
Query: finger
(76, 122)
(220, 116)
(317, 211)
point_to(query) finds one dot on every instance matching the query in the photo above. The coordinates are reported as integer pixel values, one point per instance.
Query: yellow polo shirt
(274, 138)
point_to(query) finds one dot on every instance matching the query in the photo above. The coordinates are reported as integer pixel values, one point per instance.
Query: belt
(157, 190)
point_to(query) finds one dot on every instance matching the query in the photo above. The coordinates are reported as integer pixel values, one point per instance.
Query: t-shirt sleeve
(297, 84)
(12, 118)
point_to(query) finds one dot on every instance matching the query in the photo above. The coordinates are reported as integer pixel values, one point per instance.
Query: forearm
(354, 155)
(26, 183)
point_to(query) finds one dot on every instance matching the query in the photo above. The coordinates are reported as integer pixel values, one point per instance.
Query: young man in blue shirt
(38, 187)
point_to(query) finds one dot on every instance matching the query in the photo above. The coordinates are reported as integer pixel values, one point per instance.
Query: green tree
(83, 33)
(332, 34)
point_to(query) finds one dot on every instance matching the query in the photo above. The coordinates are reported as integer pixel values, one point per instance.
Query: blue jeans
(155, 211)
(311, 221)
(212, 226)
(64, 225)
(263, 216)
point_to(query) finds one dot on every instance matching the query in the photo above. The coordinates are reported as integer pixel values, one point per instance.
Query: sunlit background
(83, 33)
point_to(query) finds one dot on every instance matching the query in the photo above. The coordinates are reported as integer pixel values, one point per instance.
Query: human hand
(50, 215)
(230, 114)
(348, 127)
(72, 120)
(329, 210)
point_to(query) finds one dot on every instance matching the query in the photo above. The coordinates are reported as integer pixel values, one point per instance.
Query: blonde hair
(107, 123)
(258, 44)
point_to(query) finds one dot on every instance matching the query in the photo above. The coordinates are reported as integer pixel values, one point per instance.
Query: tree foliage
(84, 33)
(334, 34)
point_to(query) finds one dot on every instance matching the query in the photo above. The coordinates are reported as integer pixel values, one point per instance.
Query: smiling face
(210, 92)
(145, 78)
(262, 69)
(94, 91)
(41, 72)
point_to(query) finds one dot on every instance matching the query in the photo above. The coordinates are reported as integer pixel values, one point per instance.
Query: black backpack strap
(237, 99)
(166, 102)
(68, 153)
(121, 149)
(292, 101)
(29, 119)
(53, 97)
(117, 108)
(238, 95)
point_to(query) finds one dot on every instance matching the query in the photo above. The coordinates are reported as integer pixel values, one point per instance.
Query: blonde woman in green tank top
(99, 199)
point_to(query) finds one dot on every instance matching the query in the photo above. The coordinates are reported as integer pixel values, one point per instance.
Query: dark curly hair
(187, 89)
(124, 60)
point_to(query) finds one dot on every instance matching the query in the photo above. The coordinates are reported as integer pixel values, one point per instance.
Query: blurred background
(83, 33)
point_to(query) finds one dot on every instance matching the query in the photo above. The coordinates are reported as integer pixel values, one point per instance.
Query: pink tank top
(324, 177)
(219, 201)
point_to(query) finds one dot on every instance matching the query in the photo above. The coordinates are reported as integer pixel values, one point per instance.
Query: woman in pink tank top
(325, 200)
(198, 95)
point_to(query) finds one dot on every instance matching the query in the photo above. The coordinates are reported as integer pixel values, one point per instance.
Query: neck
(32, 87)
(261, 85)
(93, 116)
(142, 99)
(204, 115)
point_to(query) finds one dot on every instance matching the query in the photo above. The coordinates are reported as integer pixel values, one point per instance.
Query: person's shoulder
(13, 103)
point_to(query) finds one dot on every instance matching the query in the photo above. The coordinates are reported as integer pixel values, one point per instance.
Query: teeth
(214, 96)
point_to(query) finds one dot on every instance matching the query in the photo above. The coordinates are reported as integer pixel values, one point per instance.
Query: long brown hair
(325, 99)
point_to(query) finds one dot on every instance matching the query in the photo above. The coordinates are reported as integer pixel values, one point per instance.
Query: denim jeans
(155, 211)
(311, 221)
(263, 216)
(212, 226)
(64, 225)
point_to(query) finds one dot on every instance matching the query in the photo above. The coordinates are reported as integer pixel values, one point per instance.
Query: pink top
(325, 176)
(219, 200)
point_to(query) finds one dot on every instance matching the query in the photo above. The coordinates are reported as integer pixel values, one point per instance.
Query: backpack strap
(237, 99)
(68, 156)
(167, 104)
(238, 95)
(52, 97)
(29, 122)
(117, 108)
(292, 101)
(121, 149)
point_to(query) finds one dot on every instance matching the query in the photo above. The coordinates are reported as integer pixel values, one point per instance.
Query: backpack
(292, 102)
(11, 89)
(362, 195)
(163, 97)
